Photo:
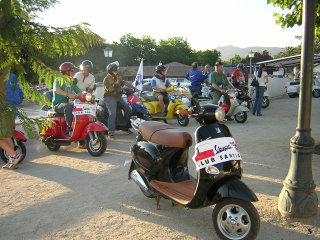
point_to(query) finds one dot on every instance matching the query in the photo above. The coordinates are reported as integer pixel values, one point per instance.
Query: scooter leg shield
(234, 188)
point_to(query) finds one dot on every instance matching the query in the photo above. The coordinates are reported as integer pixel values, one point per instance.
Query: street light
(298, 199)
(107, 53)
(251, 55)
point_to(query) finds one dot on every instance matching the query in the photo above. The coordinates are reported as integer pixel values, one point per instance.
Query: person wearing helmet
(238, 75)
(159, 83)
(196, 77)
(63, 91)
(112, 85)
(85, 79)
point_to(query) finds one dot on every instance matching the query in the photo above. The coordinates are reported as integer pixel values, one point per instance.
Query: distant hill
(228, 52)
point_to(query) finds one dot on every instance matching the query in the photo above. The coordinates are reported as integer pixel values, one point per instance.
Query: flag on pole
(139, 77)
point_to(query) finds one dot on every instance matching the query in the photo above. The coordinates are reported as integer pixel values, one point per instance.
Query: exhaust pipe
(136, 177)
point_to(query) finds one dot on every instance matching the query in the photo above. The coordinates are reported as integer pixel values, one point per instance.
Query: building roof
(288, 61)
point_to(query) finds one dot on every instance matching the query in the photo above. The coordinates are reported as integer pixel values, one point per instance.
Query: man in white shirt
(85, 80)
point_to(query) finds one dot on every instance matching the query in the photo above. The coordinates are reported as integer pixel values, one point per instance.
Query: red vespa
(19, 146)
(84, 125)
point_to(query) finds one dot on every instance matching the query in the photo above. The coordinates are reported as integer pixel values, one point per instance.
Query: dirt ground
(70, 195)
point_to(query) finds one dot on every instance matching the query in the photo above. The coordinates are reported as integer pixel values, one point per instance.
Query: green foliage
(291, 14)
(208, 57)
(25, 45)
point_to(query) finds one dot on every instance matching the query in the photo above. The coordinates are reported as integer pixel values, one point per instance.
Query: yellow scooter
(175, 97)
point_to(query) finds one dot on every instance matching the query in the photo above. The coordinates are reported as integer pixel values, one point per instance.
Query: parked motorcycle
(232, 108)
(19, 147)
(175, 97)
(243, 96)
(265, 99)
(137, 107)
(84, 125)
(294, 88)
(159, 167)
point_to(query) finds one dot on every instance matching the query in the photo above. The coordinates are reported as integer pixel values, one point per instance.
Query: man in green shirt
(62, 92)
(218, 82)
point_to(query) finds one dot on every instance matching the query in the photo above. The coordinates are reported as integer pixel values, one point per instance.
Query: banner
(138, 80)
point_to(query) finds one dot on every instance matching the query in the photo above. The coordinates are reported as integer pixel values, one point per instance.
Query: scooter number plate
(215, 151)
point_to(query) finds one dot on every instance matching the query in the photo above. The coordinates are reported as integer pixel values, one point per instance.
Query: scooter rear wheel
(20, 148)
(236, 219)
(316, 93)
(265, 102)
(98, 145)
(241, 117)
(53, 147)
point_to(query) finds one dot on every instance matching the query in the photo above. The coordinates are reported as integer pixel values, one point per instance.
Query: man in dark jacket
(196, 77)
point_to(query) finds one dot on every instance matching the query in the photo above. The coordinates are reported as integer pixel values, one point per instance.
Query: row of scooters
(159, 163)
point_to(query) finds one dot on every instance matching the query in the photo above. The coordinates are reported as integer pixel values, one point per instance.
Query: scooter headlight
(219, 114)
(88, 97)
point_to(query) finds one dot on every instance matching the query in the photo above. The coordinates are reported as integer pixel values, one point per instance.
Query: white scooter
(294, 88)
(234, 109)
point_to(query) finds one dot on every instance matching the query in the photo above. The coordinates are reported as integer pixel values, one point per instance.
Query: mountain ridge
(229, 51)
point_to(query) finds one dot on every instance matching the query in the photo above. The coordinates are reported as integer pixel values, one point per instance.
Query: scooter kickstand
(173, 203)
(158, 201)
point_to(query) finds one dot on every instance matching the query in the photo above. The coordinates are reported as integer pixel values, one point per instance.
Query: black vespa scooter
(160, 169)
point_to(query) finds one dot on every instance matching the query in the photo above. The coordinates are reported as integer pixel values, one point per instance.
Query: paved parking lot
(71, 195)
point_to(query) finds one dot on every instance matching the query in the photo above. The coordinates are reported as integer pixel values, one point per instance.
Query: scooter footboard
(234, 188)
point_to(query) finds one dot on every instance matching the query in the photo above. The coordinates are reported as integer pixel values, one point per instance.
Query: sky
(205, 24)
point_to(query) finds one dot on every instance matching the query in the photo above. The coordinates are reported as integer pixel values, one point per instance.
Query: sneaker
(110, 135)
(15, 162)
(82, 146)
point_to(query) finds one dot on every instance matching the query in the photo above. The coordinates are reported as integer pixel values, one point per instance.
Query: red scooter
(84, 125)
(19, 146)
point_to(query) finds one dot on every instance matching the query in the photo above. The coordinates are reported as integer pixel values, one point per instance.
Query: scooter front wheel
(265, 102)
(20, 148)
(97, 145)
(316, 93)
(236, 219)
(183, 120)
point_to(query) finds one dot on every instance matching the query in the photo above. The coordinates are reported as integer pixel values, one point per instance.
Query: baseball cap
(218, 63)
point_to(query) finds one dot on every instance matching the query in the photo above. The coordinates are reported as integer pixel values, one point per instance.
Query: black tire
(236, 219)
(241, 117)
(99, 147)
(316, 93)
(183, 120)
(265, 102)
(53, 147)
(20, 147)
(291, 95)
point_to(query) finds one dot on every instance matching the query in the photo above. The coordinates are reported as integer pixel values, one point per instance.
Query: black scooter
(159, 167)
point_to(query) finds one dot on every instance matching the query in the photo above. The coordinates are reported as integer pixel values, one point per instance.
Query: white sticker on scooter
(215, 151)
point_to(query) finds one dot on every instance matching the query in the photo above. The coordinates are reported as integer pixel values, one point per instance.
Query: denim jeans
(66, 109)
(257, 103)
(111, 104)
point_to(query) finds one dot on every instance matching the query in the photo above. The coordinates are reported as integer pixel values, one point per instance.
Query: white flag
(138, 81)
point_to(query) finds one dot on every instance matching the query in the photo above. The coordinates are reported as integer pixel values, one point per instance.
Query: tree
(236, 59)
(293, 14)
(25, 44)
(207, 57)
(175, 49)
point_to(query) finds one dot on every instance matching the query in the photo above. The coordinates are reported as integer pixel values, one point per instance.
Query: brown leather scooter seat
(164, 134)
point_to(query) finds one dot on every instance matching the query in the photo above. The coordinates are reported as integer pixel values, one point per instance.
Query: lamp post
(251, 55)
(107, 53)
(298, 199)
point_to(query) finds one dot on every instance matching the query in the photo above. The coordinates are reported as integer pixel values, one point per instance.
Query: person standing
(14, 97)
(112, 85)
(85, 79)
(159, 83)
(196, 77)
(62, 92)
(262, 78)
(219, 83)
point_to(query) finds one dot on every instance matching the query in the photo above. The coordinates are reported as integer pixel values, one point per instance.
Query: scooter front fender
(234, 188)
(93, 127)
(19, 135)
